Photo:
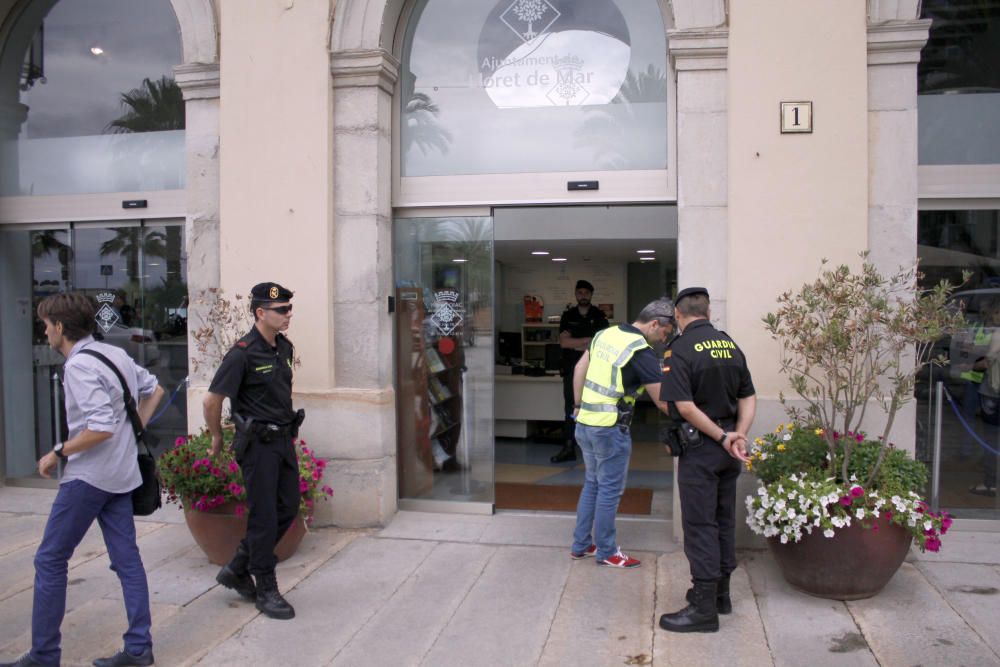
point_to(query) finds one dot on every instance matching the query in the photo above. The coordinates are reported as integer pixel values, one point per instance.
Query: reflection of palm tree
(45, 243)
(129, 240)
(156, 106)
(422, 128)
(606, 129)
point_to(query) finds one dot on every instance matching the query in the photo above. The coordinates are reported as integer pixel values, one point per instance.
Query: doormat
(563, 498)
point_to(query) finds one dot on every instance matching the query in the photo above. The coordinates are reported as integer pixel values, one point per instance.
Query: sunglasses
(281, 310)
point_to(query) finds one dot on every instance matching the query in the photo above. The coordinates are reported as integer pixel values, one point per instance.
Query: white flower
(875, 512)
(860, 513)
(828, 532)
(781, 489)
(928, 525)
(784, 538)
(761, 491)
(854, 477)
(787, 436)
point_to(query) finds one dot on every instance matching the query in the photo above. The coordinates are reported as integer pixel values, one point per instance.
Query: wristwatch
(722, 438)
(58, 449)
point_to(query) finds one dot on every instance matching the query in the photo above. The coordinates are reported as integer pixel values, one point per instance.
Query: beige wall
(276, 156)
(793, 198)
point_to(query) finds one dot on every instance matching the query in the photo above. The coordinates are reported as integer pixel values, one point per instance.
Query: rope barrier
(965, 424)
(173, 395)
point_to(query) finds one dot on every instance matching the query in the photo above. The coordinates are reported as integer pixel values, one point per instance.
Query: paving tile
(93, 630)
(331, 605)
(798, 624)
(220, 614)
(740, 639)
(406, 626)
(973, 591)
(439, 527)
(899, 634)
(963, 547)
(20, 530)
(505, 618)
(605, 616)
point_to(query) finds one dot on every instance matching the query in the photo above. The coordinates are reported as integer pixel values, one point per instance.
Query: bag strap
(130, 408)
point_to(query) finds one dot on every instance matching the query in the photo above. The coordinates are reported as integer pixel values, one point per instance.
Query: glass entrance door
(135, 272)
(444, 361)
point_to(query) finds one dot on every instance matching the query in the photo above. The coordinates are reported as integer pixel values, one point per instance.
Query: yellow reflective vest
(609, 351)
(982, 339)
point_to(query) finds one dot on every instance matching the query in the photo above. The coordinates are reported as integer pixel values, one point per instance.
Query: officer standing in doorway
(256, 376)
(708, 385)
(577, 327)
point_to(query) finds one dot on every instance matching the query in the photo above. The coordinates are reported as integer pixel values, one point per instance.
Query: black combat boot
(723, 602)
(699, 616)
(568, 451)
(269, 600)
(236, 576)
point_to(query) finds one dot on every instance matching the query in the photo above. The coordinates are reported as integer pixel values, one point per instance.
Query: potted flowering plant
(840, 508)
(212, 493)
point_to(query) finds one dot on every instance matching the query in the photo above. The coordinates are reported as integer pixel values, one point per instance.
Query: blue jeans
(74, 510)
(606, 451)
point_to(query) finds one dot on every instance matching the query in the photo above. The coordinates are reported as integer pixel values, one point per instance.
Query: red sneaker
(589, 551)
(619, 560)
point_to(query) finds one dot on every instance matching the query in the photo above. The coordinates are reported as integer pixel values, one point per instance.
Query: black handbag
(146, 499)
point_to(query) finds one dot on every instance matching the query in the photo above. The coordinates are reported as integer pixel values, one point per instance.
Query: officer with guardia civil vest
(968, 360)
(707, 384)
(618, 366)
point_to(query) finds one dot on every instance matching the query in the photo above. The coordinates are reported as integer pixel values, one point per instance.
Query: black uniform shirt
(705, 366)
(257, 378)
(580, 326)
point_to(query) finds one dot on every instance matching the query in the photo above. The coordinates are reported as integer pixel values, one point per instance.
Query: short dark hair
(73, 310)
(695, 305)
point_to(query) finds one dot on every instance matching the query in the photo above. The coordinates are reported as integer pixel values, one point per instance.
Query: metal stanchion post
(57, 418)
(936, 457)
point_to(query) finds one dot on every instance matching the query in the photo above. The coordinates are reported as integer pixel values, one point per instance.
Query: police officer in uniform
(577, 327)
(256, 376)
(708, 385)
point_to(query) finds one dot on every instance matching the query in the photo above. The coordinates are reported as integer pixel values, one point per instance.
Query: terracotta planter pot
(219, 531)
(855, 563)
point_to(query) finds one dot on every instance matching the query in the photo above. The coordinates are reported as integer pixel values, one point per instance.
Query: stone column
(893, 53)
(200, 86)
(699, 57)
(361, 407)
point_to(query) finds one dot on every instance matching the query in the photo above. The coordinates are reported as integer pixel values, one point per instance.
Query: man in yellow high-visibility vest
(615, 369)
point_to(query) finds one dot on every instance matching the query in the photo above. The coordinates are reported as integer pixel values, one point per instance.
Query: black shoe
(567, 453)
(242, 583)
(269, 600)
(235, 575)
(123, 659)
(24, 661)
(723, 602)
(699, 616)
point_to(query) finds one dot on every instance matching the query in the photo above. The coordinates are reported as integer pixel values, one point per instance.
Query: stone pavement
(438, 590)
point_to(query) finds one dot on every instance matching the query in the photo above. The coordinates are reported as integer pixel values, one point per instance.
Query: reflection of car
(139, 343)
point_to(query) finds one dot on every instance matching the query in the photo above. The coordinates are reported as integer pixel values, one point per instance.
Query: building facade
(323, 142)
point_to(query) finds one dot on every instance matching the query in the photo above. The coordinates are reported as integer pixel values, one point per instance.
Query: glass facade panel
(444, 358)
(959, 83)
(951, 242)
(103, 111)
(136, 274)
(533, 86)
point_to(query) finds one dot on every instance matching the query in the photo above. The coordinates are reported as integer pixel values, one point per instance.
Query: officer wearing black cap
(577, 327)
(708, 385)
(256, 376)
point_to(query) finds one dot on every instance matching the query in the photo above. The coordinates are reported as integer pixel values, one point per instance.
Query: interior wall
(555, 284)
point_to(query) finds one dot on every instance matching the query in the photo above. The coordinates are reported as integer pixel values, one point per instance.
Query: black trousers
(706, 479)
(271, 475)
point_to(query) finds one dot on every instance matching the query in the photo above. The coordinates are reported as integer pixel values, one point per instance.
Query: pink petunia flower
(845, 501)
(857, 491)
(303, 486)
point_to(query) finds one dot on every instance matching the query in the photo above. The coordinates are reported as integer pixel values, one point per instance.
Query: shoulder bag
(146, 498)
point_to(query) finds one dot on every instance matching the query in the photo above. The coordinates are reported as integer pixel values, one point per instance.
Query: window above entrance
(533, 86)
